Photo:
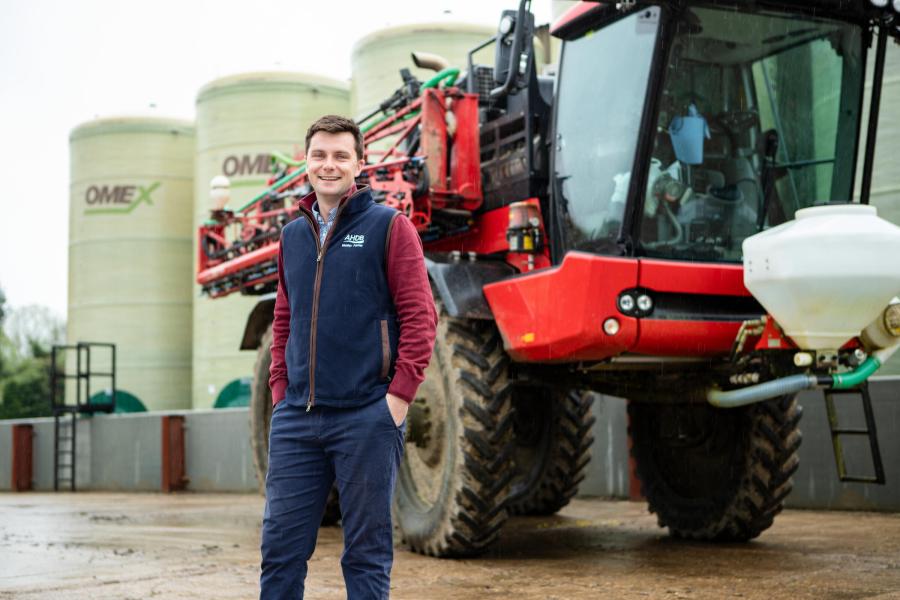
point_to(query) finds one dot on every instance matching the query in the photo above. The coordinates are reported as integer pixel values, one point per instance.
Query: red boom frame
(237, 249)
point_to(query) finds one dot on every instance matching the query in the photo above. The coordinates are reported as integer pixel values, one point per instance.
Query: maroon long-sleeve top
(416, 314)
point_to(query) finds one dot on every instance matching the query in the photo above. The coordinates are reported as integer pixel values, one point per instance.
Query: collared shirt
(324, 225)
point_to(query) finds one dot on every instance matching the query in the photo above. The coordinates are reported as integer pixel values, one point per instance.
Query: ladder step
(862, 392)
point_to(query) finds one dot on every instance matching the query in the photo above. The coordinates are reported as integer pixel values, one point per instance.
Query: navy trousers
(360, 449)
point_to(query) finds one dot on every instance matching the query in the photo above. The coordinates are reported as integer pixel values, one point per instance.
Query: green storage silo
(241, 119)
(130, 249)
(378, 57)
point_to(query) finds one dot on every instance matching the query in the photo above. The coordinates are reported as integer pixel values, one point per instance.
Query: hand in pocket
(398, 408)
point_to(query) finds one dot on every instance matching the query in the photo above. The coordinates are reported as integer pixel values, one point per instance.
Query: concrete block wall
(217, 449)
(123, 452)
(6, 456)
(126, 452)
(607, 473)
(816, 483)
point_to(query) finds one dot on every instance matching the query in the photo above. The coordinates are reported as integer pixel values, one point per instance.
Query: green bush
(26, 392)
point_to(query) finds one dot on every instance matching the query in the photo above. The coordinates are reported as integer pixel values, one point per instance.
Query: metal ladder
(64, 429)
(869, 431)
(64, 450)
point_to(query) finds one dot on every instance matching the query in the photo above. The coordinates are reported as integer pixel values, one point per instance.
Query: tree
(33, 329)
(2, 305)
(27, 335)
(26, 393)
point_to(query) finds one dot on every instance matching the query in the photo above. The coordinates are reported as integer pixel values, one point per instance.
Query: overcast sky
(64, 62)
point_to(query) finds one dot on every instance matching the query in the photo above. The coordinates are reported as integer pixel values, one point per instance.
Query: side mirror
(514, 53)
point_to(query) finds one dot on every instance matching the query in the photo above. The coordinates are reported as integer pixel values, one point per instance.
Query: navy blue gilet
(343, 338)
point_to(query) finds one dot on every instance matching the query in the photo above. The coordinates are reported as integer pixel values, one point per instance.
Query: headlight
(644, 303)
(880, 3)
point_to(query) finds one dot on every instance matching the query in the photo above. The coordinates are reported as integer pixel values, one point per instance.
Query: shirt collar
(333, 211)
(316, 212)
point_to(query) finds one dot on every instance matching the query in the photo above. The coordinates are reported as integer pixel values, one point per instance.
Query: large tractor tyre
(455, 478)
(553, 448)
(716, 474)
(261, 417)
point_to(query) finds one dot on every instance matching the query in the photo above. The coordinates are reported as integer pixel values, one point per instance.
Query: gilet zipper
(317, 285)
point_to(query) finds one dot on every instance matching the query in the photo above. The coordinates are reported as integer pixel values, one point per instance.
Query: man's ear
(359, 165)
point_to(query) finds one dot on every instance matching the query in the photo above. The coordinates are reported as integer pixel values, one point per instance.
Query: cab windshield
(757, 117)
(602, 84)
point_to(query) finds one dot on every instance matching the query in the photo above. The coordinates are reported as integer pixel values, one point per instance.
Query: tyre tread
(476, 506)
(769, 465)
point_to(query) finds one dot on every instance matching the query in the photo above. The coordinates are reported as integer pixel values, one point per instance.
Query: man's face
(332, 164)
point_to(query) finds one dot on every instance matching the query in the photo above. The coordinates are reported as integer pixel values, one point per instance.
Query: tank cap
(856, 210)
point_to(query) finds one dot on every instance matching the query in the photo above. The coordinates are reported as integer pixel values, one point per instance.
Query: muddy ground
(120, 546)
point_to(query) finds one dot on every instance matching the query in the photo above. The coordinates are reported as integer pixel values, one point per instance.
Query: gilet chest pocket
(385, 350)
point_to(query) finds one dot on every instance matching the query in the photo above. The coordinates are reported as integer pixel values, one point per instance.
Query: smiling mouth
(329, 178)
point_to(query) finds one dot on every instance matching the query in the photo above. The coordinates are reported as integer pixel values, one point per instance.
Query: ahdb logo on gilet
(353, 240)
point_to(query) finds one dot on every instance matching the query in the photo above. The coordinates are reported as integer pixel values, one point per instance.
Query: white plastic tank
(826, 274)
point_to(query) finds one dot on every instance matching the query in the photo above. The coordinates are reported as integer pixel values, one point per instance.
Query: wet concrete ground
(128, 546)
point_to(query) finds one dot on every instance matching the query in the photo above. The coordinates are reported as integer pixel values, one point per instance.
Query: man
(353, 332)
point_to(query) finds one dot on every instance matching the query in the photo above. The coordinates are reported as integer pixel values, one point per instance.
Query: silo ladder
(64, 428)
(64, 450)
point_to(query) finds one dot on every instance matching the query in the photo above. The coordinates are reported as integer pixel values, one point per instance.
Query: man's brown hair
(336, 124)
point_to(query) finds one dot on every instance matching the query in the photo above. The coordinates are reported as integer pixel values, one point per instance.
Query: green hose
(405, 117)
(857, 376)
(286, 179)
(380, 119)
(284, 159)
(796, 383)
(447, 77)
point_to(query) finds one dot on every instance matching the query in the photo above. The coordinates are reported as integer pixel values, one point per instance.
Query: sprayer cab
(731, 117)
